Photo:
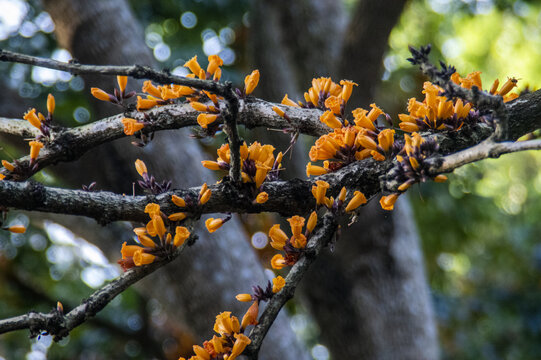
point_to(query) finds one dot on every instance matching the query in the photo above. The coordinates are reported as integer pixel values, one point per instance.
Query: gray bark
(206, 278)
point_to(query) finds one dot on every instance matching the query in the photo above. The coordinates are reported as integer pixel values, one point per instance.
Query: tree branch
(70, 144)
(135, 71)
(59, 325)
(320, 239)
(484, 150)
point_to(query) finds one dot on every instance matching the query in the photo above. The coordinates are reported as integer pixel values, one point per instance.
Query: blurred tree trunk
(206, 278)
(373, 288)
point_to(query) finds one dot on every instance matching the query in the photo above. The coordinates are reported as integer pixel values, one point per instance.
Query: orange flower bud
(177, 216)
(205, 197)
(178, 201)
(244, 297)
(146, 241)
(508, 86)
(278, 111)
(211, 165)
(250, 318)
(100, 94)
(251, 81)
(50, 103)
(141, 168)
(145, 104)
(122, 82)
(440, 178)
(9, 166)
(17, 229)
(342, 195)
(312, 221)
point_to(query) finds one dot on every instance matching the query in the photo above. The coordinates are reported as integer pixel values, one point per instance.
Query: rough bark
(190, 289)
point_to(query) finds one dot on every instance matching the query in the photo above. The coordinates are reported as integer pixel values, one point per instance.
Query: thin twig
(321, 237)
(484, 150)
(59, 325)
(135, 71)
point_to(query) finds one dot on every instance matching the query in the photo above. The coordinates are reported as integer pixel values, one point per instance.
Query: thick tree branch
(320, 239)
(70, 144)
(18, 127)
(59, 325)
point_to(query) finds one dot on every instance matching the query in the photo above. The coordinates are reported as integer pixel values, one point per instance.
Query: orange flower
(32, 118)
(238, 347)
(205, 119)
(181, 234)
(287, 101)
(277, 284)
(145, 104)
(387, 202)
(319, 191)
(357, 200)
(142, 258)
(278, 237)
(347, 89)
(296, 223)
(193, 65)
(17, 229)
(251, 81)
(330, 120)
(214, 64)
(262, 197)
(177, 216)
(278, 262)
(35, 147)
(278, 111)
(315, 170)
(131, 126)
(250, 318)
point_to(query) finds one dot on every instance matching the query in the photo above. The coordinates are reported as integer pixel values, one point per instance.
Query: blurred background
(479, 232)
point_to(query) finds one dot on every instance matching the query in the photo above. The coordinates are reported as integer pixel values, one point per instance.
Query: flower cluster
(229, 345)
(156, 240)
(149, 182)
(118, 96)
(293, 247)
(437, 112)
(257, 162)
(39, 121)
